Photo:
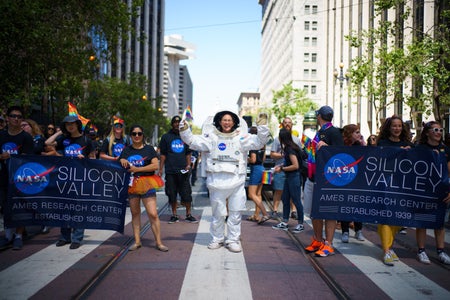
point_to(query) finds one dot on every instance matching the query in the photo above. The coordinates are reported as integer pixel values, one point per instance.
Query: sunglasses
(436, 130)
(15, 116)
(140, 133)
(118, 125)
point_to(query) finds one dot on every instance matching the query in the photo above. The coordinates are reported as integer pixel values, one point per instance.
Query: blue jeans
(74, 235)
(292, 190)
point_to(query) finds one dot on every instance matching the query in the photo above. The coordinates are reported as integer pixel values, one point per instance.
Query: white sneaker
(215, 245)
(234, 247)
(359, 236)
(444, 258)
(423, 258)
(344, 237)
(299, 228)
(393, 255)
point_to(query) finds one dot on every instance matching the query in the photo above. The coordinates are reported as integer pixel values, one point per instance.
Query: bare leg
(152, 213)
(135, 208)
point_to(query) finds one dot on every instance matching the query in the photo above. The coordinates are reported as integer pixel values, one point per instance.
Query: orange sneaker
(314, 246)
(325, 250)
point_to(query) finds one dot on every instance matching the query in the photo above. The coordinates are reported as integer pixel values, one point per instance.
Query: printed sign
(66, 192)
(381, 185)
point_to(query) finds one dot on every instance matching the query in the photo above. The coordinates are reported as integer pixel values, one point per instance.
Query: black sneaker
(191, 219)
(61, 243)
(17, 244)
(294, 215)
(74, 246)
(174, 219)
(299, 228)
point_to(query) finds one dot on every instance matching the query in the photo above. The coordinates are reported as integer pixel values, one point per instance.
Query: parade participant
(431, 138)
(2, 123)
(352, 137)
(115, 142)
(292, 185)
(227, 143)
(279, 177)
(328, 135)
(393, 133)
(141, 161)
(255, 160)
(13, 141)
(71, 142)
(33, 129)
(175, 160)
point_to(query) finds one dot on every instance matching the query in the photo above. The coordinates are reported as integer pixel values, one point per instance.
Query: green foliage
(416, 72)
(290, 101)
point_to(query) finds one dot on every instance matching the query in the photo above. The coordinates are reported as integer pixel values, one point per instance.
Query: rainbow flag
(74, 112)
(117, 120)
(187, 114)
(267, 177)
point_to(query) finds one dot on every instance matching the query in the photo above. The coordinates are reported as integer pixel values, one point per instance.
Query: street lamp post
(340, 76)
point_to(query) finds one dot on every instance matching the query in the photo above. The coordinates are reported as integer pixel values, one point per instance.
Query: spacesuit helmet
(219, 116)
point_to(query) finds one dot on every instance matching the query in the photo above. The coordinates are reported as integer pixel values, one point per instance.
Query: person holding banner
(328, 135)
(141, 161)
(431, 138)
(393, 133)
(116, 141)
(292, 185)
(255, 160)
(13, 141)
(227, 142)
(352, 137)
(71, 142)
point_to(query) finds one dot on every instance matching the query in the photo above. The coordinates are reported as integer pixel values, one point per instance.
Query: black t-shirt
(72, 147)
(287, 159)
(175, 151)
(117, 146)
(259, 156)
(389, 143)
(21, 143)
(39, 143)
(139, 157)
(441, 148)
(332, 136)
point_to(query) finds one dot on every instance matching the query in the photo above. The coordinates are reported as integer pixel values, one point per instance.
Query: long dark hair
(425, 129)
(286, 140)
(385, 130)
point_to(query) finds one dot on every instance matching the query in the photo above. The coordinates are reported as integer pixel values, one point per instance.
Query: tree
(45, 46)
(392, 71)
(289, 101)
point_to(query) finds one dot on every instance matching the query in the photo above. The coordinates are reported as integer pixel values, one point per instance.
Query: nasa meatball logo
(222, 146)
(177, 146)
(32, 178)
(341, 169)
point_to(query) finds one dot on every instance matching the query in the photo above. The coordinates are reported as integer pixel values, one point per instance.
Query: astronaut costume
(226, 168)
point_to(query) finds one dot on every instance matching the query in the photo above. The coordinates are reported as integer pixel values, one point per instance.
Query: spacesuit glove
(183, 125)
(262, 119)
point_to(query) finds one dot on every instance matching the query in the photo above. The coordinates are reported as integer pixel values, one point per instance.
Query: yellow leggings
(387, 234)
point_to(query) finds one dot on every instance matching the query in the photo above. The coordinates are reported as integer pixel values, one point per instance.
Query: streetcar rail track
(90, 286)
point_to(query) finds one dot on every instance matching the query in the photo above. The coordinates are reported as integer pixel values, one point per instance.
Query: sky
(227, 37)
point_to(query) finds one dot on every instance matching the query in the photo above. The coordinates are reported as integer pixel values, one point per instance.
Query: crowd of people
(226, 147)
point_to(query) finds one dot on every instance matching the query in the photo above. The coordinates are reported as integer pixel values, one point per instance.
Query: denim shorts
(256, 173)
(278, 181)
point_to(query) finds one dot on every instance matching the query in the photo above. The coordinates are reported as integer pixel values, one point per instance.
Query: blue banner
(66, 192)
(381, 185)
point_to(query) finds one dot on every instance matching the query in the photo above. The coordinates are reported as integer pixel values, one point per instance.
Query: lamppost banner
(381, 185)
(66, 192)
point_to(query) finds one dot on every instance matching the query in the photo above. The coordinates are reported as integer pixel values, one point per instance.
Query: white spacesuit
(226, 168)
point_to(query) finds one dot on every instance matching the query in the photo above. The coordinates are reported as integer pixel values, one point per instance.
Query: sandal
(252, 218)
(263, 220)
(162, 248)
(135, 247)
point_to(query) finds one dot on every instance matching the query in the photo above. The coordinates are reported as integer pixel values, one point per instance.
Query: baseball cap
(175, 119)
(326, 112)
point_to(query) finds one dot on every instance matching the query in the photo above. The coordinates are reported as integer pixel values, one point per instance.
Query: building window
(313, 57)
(314, 41)
(306, 73)
(307, 9)
(313, 89)
(314, 26)
(306, 88)
(306, 25)
(306, 57)
(313, 73)
(314, 9)
(306, 41)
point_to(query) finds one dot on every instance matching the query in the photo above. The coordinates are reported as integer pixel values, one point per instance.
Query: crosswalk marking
(214, 274)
